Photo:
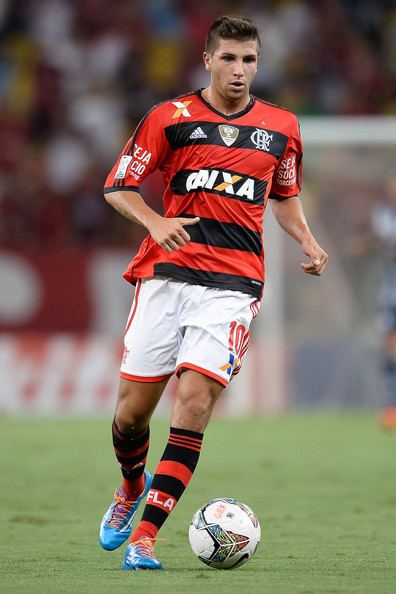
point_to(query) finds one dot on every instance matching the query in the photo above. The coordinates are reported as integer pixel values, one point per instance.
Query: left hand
(318, 257)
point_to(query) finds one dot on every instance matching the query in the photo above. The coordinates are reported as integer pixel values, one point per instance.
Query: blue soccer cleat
(116, 525)
(140, 555)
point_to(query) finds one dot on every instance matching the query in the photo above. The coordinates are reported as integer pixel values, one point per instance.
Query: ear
(206, 58)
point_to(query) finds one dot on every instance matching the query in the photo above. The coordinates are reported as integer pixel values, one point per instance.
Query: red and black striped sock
(131, 452)
(172, 476)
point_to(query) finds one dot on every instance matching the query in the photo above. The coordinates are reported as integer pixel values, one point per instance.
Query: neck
(225, 106)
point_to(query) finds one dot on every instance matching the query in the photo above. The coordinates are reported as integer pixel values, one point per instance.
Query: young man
(384, 230)
(199, 274)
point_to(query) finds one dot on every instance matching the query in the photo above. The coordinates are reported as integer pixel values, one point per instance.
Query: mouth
(237, 85)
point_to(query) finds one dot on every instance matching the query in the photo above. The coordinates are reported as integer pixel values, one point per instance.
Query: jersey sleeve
(143, 153)
(286, 181)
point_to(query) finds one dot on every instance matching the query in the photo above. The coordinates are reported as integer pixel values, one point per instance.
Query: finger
(184, 235)
(309, 268)
(323, 266)
(172, 245)
(314, 270)
(314, 257)
(193, 221)
(166, 247)
(179, 239)
(317, 262)
(323, 263)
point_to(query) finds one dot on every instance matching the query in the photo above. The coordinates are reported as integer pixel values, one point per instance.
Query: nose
(238, 68)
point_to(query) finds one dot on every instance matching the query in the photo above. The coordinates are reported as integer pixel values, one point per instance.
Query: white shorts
(175, 325)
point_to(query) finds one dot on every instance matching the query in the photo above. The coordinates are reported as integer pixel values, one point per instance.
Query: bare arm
(289, 214)
(168, 233)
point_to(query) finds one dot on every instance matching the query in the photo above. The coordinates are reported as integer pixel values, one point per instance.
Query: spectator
(63, 65)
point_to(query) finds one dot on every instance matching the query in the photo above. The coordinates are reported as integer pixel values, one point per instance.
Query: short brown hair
(231, 27)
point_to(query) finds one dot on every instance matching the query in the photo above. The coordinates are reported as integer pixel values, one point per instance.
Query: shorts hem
(202, 370)
(145, 379)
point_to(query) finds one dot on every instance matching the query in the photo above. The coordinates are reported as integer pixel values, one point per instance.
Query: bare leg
(195, 399)
(131, 433)
(136, 403)
(131, 437)
(388, 416)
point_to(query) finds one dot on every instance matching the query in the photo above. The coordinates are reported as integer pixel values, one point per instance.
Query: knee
(128, 419)
(193, 406)
(193, 401)
(127, 422)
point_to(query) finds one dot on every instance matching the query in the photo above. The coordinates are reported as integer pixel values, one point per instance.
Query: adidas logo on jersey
(198, 133)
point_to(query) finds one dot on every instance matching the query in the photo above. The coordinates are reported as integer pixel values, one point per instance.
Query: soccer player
(384, 228)
(199, 274)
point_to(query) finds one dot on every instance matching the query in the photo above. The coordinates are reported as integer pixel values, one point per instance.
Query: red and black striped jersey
(220, 168)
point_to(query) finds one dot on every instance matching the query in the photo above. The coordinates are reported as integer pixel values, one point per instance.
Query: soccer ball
(224, 533)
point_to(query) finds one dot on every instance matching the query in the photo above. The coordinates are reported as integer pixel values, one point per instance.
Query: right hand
(170, 233)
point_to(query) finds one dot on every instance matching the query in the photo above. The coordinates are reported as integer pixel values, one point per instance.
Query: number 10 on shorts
(238, 342)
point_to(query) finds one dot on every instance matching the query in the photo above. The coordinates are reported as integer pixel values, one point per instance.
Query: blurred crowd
(77, 75)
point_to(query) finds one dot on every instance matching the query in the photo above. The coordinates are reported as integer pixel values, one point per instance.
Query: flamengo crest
(261, 139)
(229, 134)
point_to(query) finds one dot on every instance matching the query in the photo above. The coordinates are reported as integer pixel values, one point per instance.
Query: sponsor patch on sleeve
(122, 167)
(287, 174)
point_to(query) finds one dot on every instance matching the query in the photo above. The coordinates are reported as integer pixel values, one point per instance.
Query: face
(232, 66)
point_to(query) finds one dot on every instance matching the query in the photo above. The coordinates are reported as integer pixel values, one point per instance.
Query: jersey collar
(233, 116)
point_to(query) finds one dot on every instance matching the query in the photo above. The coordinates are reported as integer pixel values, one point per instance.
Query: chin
(237, 94)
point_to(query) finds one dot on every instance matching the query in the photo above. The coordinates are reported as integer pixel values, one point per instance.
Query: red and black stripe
(131, 451)
(208, 278)
(180, 135)
(172, 476)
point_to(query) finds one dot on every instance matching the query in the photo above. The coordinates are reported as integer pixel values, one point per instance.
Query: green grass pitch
(323, 486)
